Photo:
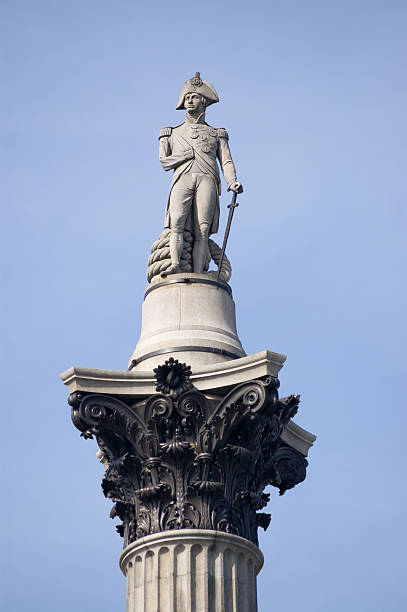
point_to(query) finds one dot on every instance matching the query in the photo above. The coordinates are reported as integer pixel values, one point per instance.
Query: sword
(231, 207)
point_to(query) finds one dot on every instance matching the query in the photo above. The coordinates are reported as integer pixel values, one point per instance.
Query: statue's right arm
(170, 160)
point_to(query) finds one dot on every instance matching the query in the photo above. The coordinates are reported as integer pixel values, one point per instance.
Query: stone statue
(192, 150)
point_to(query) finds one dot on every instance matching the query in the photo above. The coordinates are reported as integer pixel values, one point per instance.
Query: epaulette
(166, 131)
(222, 133)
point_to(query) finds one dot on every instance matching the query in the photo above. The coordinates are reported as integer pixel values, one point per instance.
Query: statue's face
(194, 103)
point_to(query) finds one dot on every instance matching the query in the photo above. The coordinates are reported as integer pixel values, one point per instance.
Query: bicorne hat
(196, 85)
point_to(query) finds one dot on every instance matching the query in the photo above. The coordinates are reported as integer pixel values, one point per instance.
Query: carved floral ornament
(173, 378)
(180, 459)
(197, 81)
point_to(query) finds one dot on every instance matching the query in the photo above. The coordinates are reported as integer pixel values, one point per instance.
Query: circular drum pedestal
(191, 570)
(190, 317)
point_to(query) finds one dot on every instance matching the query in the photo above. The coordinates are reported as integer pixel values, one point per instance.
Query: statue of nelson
(192, 150)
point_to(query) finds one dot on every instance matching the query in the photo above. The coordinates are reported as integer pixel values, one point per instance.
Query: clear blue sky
(313, 95)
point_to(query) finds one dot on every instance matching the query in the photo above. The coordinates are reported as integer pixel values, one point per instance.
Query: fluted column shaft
(191, 570)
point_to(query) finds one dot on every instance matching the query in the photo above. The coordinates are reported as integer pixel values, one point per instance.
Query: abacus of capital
(194, 431)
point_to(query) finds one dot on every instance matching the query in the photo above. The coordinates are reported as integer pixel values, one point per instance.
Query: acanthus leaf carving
(180, 459)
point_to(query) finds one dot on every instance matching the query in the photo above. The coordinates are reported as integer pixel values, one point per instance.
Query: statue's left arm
(226, 161)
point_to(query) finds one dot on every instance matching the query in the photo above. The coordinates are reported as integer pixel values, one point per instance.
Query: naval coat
(196, 147)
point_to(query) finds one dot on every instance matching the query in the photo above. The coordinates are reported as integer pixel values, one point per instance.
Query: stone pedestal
(191, 570)
(190, 316)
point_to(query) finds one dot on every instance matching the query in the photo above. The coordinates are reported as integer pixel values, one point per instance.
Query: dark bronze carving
(182, 459)
(173, 378)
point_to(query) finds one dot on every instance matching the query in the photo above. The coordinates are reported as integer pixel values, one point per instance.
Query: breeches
(199, 192)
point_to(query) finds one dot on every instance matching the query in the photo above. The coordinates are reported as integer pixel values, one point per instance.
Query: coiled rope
(160, 259)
